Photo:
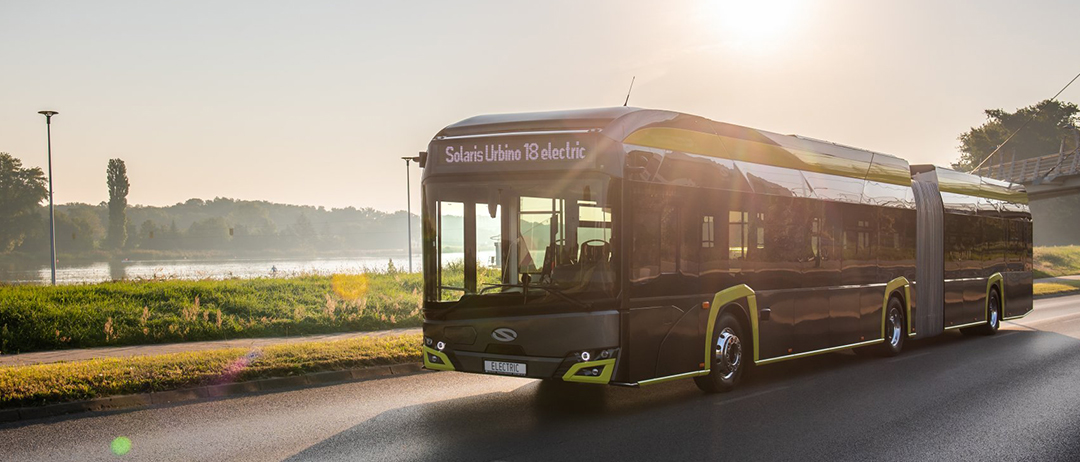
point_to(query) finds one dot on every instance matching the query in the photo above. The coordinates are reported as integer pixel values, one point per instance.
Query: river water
(214, 269)
(201, 269)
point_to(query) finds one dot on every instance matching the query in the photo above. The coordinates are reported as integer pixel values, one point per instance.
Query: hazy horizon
(314, 104)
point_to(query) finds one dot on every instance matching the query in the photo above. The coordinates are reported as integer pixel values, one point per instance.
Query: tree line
(219, 226)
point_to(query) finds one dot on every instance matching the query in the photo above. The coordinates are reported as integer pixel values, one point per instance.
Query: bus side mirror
(637, 162)
(493, 202)
(422, 159)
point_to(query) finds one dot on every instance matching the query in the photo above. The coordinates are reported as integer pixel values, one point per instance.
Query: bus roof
(675, 131)
(955, 182)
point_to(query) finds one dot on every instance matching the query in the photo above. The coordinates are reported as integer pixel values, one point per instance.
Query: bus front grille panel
(503, 349)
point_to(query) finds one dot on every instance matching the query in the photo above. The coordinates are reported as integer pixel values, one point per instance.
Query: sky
(315, 102)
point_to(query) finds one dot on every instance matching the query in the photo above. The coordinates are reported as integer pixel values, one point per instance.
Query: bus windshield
(498, 237)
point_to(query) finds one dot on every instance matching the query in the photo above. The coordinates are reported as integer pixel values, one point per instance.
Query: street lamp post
(52, 222)
(408, 203)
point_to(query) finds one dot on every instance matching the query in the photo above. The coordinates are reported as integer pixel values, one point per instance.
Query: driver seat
(595, 253)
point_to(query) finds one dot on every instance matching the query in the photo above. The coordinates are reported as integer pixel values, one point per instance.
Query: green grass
(42, 384)
(1054, 288)
(143, 312)
(1057, 261)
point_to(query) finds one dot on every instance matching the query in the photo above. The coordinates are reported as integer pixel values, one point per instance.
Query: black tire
(993, 318)
(993, 314)
(895, 329)
(731, 356)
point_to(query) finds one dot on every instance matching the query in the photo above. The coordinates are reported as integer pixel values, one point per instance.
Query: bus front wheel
(730, 356)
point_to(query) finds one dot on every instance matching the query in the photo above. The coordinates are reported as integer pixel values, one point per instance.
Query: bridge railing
(1027, 170)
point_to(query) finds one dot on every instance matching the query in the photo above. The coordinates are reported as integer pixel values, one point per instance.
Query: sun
(753, 24)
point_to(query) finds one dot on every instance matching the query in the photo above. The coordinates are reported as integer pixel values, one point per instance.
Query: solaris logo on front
(504, 334)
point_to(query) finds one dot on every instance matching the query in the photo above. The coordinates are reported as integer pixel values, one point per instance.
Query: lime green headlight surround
(446, 366)
(604, 377)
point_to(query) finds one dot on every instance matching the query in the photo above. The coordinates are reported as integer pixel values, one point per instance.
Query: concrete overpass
(1044, 177)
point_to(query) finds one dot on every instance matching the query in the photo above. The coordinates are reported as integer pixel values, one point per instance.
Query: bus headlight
(593, 355)
(440, 346)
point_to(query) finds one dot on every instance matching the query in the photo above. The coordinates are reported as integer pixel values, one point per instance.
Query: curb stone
(278, 383)
(407, 368)
(176, 396)
(10, 415)
(329, 377)
(230, 389)
(110, 403)
(371, 372)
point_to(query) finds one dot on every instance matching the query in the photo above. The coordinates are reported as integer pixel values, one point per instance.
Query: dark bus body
(631, 246)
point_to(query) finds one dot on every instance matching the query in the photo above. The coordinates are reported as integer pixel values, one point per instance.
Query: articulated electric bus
(630, 247)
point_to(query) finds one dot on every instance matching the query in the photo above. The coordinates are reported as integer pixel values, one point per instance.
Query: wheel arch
(899, 288)
(728, 300)
(741, 315)
(995, 282)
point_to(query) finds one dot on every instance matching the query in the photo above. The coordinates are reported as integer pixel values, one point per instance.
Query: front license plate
(504, 368)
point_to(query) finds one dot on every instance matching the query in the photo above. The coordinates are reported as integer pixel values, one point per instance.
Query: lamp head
(48, 113)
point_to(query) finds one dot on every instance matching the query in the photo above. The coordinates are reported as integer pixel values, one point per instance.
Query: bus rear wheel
(894, 329)
(993, 317)
(729, 358)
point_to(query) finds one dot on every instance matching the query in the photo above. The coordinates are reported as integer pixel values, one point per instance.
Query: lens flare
(233, 370)
(121, 445)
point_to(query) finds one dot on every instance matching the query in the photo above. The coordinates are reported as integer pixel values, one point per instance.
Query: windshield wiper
(548, 289)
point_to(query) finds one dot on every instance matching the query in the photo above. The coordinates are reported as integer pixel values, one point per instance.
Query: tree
(21, 192)
(117, 179)
(73, 233)
(302, 233)
(147, 231)
(1053, 121)
(208, 233)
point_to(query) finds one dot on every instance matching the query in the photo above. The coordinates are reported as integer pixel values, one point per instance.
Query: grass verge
(1056, 261)
(42, 384)
(1056, 288)
(144, 312)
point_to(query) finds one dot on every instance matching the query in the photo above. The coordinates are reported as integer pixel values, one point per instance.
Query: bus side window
(738, 234)
(713, 251)
(646, 229)
(669, 238)
(1014, 246)
(695, 231)
(708, 231)
(451, 243)
(1029, 256)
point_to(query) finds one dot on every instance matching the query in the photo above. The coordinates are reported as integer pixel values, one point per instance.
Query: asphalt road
(1014, 396)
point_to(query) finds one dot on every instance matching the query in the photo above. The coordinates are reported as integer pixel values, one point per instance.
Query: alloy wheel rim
(728, 353)
(994, 311)
(894, 327)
